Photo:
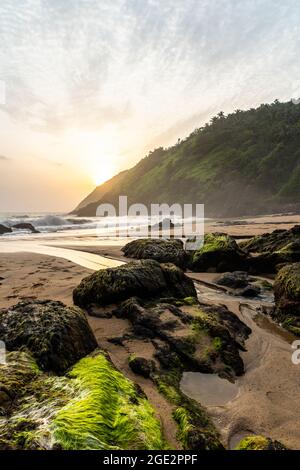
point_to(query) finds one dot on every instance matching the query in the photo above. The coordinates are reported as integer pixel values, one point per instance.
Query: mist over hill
(245, 163)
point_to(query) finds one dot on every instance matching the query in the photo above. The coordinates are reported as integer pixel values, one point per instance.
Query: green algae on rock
(93, 407)
(161, 250)
(273, 250)
(110, 411)
(271, 242)
(219, 253)
(56, 335)
(204, 338)
(145, 279)
(287, 298)
(195, 429)
(259, 443)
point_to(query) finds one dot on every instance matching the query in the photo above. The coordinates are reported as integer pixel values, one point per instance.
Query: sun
(102, 172)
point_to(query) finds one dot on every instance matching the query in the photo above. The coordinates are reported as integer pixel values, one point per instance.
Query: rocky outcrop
(287, 297)
(271, 242)
(234, 280)
(4, 229)
(142, 366)
(259, 443)
(161, 250)
(146, 279)
(200, 337)
(25, 226)
(273, 250)
(219, 253)
(159, 305)
(75, 411)
(56, 335)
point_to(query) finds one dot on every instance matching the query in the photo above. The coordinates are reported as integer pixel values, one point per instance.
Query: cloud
(84, 64)
(4, 158)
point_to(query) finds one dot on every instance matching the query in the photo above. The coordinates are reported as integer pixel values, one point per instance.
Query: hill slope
(245, 163)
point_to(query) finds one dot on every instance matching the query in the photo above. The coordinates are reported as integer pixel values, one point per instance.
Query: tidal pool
(208, 389)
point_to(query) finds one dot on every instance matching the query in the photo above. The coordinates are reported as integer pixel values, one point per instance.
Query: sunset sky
(92, 85)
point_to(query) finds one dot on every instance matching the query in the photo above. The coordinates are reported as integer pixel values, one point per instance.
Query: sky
(89, 87)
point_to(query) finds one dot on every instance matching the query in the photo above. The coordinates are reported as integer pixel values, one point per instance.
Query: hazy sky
(92, 85)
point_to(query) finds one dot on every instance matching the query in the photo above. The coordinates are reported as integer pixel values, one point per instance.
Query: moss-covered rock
(287, 298)
(161, 250)
(141, 366)
(273, 242)
(19, 371)
(259, 443)
(195, 429)
(93, 407)
(273, 250)
(110, 412)
(146, 279)
(202, 338)
(56, 335)
(219, 253)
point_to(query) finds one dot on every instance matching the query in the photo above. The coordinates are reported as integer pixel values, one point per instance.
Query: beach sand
(26, 276)
(269, 392)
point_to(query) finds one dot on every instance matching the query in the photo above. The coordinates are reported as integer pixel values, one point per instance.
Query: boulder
(287, 298)
(161, 250)
(219, 253)
(272, 242)
(259, 443)
(25, 226)
(4, 229)
(93, 407)
(145, 279)
(248, 291)
(234, 280)
(57, 336)
(142, 366)
(203, 338)
(287, 290)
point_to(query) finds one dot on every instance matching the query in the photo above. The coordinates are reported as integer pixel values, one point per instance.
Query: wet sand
(26, 276)
(268, 394)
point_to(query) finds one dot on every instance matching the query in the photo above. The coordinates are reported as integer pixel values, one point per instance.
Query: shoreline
(268, 391)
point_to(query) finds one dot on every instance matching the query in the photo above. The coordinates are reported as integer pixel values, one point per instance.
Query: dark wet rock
(25, 226)
(259, 443)
(45, 415)
(4, 229)
(56, 335)
(142, 366)
(269, 263)
(249, 291)
(234, 280)
(219, 253)
(271, 251)
(146, 279)
(15, 375)
(287, 298)
(164, 224)
(206, 339)
(272, 242)
(161, 250)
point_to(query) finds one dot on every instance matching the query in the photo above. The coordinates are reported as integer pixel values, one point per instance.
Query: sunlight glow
(103, 172)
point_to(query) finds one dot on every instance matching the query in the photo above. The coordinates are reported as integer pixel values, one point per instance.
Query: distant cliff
(242, 164)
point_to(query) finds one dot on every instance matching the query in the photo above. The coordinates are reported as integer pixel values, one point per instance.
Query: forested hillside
(247, 162)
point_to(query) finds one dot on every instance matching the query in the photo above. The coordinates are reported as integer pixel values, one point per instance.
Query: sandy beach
(268, 392)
